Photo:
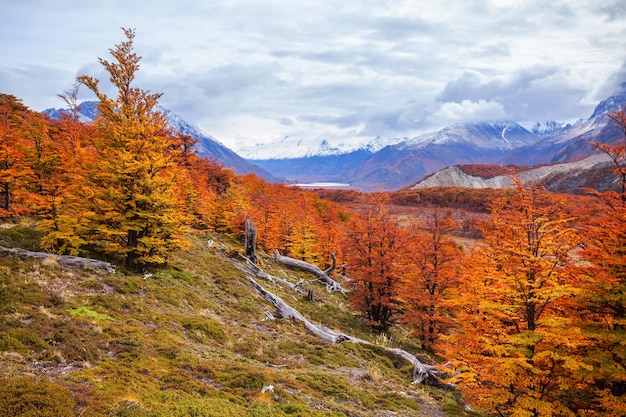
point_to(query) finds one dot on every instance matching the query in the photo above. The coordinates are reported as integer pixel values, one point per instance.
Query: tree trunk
(250, 242)
(259, 273)
(61, 259)
(422, 373)
(331, 285)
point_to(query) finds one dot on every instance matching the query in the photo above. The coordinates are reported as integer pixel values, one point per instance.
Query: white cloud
(467, 111)
(340, 70)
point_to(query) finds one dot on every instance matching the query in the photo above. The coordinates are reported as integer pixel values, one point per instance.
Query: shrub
(26, 397)
(203, 328)
(21, 236)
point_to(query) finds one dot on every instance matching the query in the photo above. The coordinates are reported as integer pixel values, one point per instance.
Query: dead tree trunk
(61, 259)
(250, 242)
(287, 312)
(259, 273)
(333, 266)
(421, 373)
(331, 285)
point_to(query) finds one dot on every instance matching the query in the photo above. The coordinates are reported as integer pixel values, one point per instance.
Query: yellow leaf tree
(129, 194)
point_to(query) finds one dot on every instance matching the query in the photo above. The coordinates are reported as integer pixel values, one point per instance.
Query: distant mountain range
(400, 163)
(207, 146)
(393, 163)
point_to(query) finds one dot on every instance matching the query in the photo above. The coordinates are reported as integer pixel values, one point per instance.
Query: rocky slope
(569, 177)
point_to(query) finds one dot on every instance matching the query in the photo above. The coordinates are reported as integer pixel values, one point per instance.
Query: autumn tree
(17, 175)
(129, 192)
(375, 252)
(65, 224)
(514, 343)
(617, 153)
(601, 308)
(434, 263)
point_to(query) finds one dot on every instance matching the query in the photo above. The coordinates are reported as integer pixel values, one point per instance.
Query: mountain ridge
(207, 146)
(401, 164)
(570, 177)
(386, 163)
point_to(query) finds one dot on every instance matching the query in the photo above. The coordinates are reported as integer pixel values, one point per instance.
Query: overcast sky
(255, 71)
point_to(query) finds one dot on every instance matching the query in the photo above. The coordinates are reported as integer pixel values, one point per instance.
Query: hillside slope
(594, 172)
(190, 339)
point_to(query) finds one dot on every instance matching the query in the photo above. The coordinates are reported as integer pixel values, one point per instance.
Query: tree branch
(61, 259)
(422, 373)
(331, 285)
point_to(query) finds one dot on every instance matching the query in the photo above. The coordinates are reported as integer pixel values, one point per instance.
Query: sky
(247, 71)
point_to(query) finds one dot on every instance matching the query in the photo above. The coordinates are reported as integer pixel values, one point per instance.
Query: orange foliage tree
(17, 173)
(601, 308)
(513, 342)
(129, 191)
(433, 272)
(375, 250)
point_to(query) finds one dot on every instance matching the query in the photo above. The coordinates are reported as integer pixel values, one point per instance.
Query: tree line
(531, 319)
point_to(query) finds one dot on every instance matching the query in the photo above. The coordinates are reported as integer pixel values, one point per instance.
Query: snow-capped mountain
(550, 127)
(489, 135)
(294, 148)
(291, 147)
(87, 111)
(392, 163)
(387, 163)
(207, 146)
(572, 142)
(572, 162)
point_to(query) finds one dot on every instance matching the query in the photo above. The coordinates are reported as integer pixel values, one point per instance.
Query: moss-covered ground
(190, 339)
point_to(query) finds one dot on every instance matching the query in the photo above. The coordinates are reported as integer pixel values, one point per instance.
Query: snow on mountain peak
(502, 135)
(289, 147)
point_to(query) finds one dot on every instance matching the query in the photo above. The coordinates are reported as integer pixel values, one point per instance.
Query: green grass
(192, 339)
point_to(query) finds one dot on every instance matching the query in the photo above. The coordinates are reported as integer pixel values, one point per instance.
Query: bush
(21, 236)
(25, 397)
(203, 328)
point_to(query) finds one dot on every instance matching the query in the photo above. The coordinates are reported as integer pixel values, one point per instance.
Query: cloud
(537, 93)
(245, 70)
(35, 83)
(469, 111)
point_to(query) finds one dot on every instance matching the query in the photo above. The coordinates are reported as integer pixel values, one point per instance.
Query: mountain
(207, 146)
(296, 148)
(569, 162)
(572, 141)
(595, 171)
(386, 163)
(394, 164)
(399, 165)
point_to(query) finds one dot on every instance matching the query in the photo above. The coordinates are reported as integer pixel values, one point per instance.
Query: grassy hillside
(192, 339)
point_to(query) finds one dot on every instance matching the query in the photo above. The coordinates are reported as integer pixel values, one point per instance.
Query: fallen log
(287, 312)
(331, 284)
(254, 269)
(61, 259)
(422, 373)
